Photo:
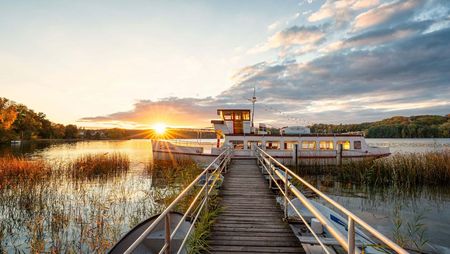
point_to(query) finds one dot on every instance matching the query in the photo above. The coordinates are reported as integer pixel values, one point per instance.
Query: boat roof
(231, 109)
(298, 135)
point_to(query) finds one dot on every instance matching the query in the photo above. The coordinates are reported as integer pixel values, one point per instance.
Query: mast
(253, 100)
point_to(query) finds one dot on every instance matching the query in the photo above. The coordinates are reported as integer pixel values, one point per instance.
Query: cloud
(325, 11)
(341, 11)
(357, 5)
(413, 68)
(297, 36)
(390, 14)
(396, 62)
(188, 112)
(291, 37)
(379, 37)
(281, 22)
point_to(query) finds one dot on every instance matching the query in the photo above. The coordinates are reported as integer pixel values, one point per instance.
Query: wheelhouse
(233, 121)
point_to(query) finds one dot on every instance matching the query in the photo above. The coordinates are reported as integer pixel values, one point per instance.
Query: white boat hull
(166, 150)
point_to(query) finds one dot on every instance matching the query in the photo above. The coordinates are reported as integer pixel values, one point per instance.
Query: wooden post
(339, 155)
(286, 196)
(167, 233)
(270, 175)
(296, 158)
(351, 236)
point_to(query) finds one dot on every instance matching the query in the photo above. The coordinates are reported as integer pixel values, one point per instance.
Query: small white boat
(154, 241)
(362, 240)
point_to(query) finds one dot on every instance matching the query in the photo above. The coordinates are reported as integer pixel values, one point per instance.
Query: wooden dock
(252, 221)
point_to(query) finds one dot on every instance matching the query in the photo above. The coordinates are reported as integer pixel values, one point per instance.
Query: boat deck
(251, 221)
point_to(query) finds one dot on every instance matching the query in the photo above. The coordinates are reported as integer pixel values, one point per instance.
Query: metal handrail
(222, 160)
(284, 193)
(348, 243)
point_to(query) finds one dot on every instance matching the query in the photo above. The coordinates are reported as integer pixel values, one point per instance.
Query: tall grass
(178, 174)
(14, 170)
(431, 168)
(99, 165)
(70, 207)
(181, 173)
(177, 171)
(198, 241)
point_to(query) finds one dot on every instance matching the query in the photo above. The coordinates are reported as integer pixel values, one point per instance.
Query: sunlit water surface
(122, 202)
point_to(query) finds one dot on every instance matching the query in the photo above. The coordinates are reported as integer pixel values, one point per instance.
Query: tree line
(17, 121)
(423, 126)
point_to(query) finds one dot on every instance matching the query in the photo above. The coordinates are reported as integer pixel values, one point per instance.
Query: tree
(58, 130)
(71, 131)
(8, 113)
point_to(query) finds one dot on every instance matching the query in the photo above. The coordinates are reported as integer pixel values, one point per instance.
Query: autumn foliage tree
(19, 122)
(8, 113)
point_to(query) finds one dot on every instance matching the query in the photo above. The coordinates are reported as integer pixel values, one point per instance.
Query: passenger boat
(292, 145)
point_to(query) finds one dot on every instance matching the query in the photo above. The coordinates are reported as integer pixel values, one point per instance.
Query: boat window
(237, 116)
(237, 144)
(345, 144)
(289, 145)
(310, 145)
(272, 145)
(250, 144)
(246, 116)
(326, 145)
(227, 116)
(357, 144)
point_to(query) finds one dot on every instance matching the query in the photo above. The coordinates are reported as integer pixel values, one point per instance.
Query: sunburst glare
(160, 128)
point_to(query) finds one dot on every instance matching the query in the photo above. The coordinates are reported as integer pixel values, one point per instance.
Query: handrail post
(206, 190)
(351, 235)
(270, 175)
(286, 189)
(167, 231)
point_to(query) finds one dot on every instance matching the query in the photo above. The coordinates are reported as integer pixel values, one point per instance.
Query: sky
(133, 64)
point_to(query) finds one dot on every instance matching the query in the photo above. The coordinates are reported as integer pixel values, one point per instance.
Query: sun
(160, 128)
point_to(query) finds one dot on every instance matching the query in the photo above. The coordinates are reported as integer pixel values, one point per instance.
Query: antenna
(253, 100)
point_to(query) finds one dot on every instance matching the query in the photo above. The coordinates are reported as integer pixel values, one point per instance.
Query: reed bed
(415, 169)
(178, 174)
(177, 171)
(91, 166)
(75, 206)
(14, 170)
(198, 241)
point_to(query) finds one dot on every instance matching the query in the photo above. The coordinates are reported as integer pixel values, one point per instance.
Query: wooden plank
(219, 233)
(257, 249)
(252, 220)
(267, 243)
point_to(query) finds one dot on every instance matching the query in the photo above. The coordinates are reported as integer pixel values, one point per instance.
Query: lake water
(411, 145)
(122, 202)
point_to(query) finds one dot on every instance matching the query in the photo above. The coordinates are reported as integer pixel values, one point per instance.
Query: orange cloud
(171, 111)
(382, 14)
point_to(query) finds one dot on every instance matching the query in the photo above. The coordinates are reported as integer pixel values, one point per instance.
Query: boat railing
(211, 174)
(184, 142)
(278, 171)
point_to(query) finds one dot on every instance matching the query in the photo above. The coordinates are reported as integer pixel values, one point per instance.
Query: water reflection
(378, 206)
(62, 214)
(411, 145)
